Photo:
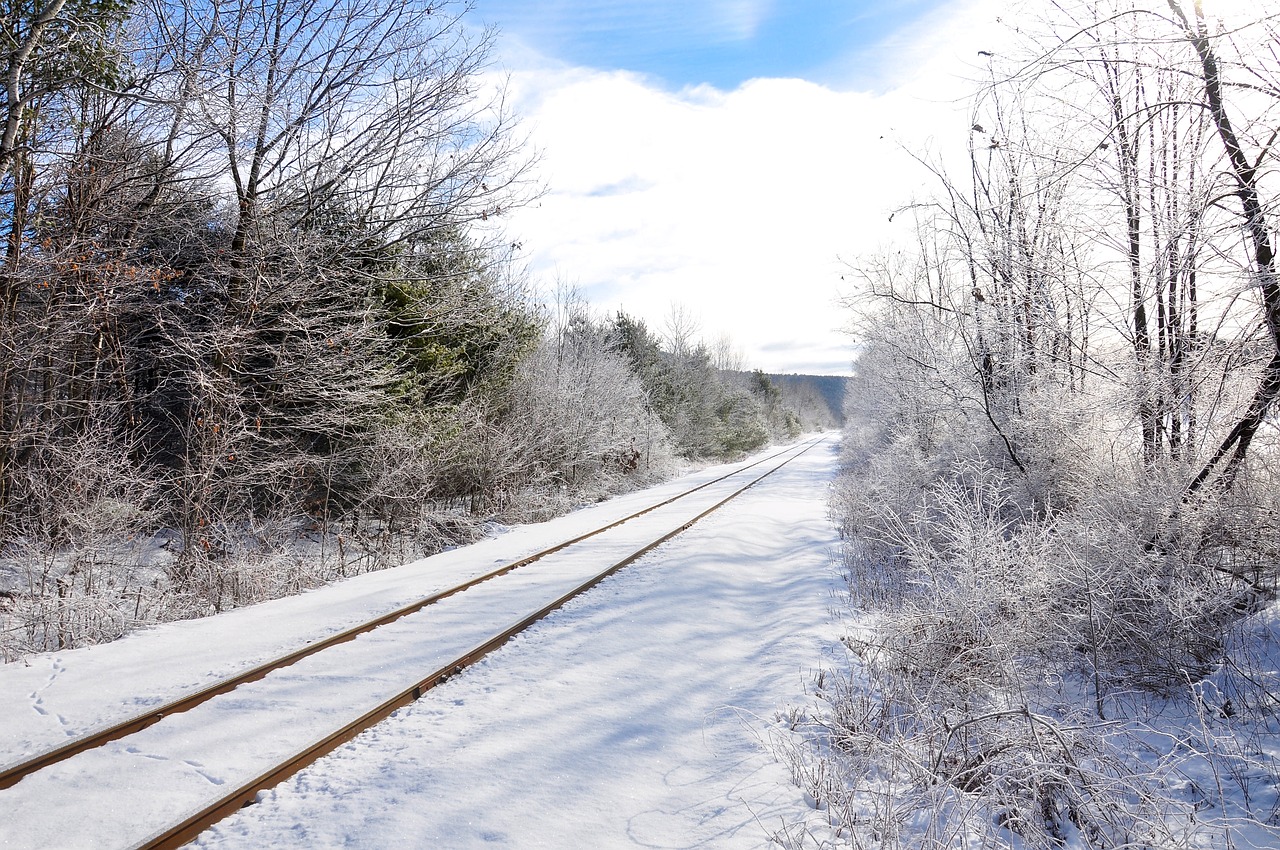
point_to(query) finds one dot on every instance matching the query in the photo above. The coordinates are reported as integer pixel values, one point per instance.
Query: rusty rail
(245, 795)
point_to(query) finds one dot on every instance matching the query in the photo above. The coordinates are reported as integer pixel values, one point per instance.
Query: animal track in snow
(56, 668)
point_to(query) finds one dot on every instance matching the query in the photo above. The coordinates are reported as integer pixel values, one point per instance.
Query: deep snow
(633, 717)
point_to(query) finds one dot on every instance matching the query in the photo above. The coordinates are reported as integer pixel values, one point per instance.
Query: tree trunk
(1235, 446)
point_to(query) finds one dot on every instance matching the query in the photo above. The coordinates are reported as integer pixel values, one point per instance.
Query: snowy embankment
(632, 717)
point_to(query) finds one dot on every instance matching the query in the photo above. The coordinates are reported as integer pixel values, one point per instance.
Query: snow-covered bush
(577, 423)
(1029, 681)
(1027, 638)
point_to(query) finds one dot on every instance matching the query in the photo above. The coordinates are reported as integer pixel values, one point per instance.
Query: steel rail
(246, 794)
(13, 774)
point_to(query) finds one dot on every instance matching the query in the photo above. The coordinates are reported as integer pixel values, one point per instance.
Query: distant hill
(830, 388)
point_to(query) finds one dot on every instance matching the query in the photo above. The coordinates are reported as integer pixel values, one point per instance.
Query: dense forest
(1061, 485)
(260, 327)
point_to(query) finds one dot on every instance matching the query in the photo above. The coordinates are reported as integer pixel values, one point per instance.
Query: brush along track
(13, 774)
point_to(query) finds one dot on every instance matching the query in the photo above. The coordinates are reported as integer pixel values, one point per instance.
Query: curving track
(334, 688)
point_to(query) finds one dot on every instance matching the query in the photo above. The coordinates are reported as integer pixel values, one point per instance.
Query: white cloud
(736, 205)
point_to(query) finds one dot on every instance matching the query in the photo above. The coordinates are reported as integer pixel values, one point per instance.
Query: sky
(730, 159)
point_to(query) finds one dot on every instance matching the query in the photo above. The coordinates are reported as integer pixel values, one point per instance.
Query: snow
(634, 716)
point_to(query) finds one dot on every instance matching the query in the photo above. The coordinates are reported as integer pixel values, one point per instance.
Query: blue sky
(719, 42)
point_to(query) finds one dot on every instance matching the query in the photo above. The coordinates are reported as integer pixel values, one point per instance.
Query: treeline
(257, 329)
(1061, 496)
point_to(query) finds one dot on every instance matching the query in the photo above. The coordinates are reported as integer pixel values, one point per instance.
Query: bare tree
(1231, 452)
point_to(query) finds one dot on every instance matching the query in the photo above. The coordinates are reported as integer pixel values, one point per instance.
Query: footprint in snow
(56, 667)
(207, 777)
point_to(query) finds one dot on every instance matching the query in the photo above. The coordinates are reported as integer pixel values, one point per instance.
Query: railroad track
(567, 581)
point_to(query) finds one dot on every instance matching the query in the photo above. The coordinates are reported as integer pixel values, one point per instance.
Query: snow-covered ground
(635, 716)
